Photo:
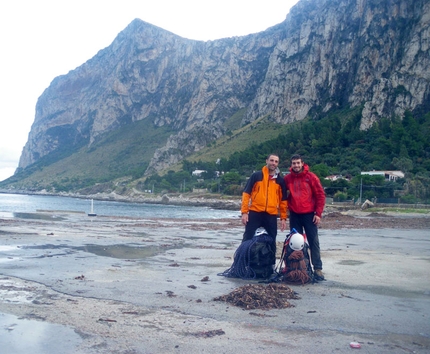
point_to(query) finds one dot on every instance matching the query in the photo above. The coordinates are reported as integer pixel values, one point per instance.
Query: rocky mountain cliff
(327, 54)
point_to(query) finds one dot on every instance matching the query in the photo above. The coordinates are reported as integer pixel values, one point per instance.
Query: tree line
(333, 145)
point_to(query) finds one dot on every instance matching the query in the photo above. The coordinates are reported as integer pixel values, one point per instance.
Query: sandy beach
(70, 283)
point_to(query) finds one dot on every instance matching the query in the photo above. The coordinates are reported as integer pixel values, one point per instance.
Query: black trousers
(262, 219)
(305, 222)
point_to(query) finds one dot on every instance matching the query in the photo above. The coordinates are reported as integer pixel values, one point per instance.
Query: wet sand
(70, 283)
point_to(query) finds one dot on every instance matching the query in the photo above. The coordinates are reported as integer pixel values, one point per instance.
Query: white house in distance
(336, 177)
(391, 176)
(198, 172)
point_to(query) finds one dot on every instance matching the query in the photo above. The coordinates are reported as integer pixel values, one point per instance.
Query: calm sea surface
(19, 203)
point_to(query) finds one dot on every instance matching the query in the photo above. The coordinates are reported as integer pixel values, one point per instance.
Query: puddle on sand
(37, 216)
(22, 336)
(350, 262)
(123, 251)
(114, 251)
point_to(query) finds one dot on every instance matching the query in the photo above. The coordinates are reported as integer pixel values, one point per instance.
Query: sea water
(22, 203)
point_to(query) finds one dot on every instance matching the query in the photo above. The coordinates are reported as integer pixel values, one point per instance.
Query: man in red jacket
(306, 200)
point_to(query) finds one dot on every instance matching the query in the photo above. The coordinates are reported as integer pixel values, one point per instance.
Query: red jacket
(306, 194)
(262, 194)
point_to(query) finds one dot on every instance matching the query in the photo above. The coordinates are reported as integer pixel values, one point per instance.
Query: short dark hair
(296, 157)
(268, 156)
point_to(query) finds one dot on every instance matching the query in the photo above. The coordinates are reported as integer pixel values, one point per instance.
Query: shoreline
(214, 201)
(210, 200)
(334, 217)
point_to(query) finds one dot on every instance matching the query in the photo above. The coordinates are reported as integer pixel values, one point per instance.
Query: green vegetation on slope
(332, 145)
(123, 152)
(257, 132)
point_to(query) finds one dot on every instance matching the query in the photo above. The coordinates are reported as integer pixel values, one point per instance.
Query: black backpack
(253, 259)
(262, 256)
(295, 264)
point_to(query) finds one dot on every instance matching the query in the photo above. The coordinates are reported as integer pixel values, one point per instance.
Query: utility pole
(361, 189)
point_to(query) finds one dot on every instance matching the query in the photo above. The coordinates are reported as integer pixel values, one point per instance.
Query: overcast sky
(42, 39)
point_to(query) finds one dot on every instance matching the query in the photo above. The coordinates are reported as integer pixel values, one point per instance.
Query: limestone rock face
(340, 52)
(150, 73)
(326, 54)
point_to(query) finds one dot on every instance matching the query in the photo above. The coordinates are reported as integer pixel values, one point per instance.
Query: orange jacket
(262, 194)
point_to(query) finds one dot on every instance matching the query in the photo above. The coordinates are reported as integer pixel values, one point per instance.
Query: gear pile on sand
(260, 296)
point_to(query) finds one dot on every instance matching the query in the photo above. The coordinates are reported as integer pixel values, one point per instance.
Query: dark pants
(263, 219)
(305, 221)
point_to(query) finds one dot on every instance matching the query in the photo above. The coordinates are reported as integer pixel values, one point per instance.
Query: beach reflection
(22, 336)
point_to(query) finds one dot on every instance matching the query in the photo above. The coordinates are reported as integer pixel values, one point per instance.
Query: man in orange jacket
(306, 201)
(263, 199)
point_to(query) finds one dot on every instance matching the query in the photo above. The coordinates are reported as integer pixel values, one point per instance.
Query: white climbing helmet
(260, 231)
(297, 242)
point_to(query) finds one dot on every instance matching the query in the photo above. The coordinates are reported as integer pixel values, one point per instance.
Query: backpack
(262, 256)
(253, 259)
(296, 263)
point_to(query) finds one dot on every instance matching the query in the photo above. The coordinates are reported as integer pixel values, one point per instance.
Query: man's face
(297, 165)
(272, 162)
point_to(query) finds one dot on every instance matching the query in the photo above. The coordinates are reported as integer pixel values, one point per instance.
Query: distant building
(388, 175)
(334, 177)
(198, 172)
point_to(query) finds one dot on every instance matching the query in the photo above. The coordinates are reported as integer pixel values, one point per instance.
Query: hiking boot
(319, 274)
